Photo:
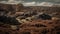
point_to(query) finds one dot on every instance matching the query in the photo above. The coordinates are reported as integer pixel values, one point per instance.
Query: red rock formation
(11, 7)
(36, 26)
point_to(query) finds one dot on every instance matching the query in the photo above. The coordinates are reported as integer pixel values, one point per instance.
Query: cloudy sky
(36, 0)
(31, 2)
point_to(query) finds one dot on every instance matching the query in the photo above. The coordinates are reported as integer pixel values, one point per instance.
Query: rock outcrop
(18, 19)
(10, 8)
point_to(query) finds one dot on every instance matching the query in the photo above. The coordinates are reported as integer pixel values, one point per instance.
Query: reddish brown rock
(36, 26)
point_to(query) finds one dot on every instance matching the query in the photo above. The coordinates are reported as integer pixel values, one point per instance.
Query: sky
(36, 0)
(32, 2)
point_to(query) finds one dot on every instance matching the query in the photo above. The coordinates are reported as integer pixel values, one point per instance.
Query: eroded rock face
(44, 24)
(6, 8)
(10, 7)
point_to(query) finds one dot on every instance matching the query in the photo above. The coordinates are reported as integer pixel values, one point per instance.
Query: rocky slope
(18, 19)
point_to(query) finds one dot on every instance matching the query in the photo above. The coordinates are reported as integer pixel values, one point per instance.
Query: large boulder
(44, 16)
(9, 20)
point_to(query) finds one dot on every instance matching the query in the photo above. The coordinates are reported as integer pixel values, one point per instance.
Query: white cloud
(33, 3)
